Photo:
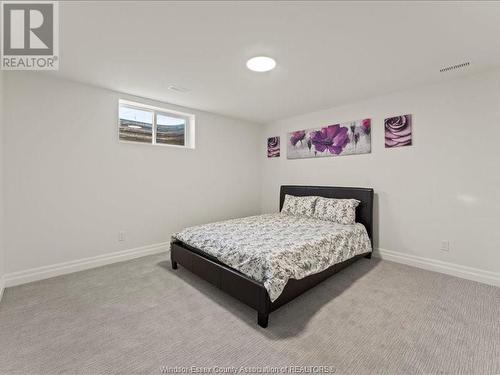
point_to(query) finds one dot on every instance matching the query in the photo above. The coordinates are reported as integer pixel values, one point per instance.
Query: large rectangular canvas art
(347, 138)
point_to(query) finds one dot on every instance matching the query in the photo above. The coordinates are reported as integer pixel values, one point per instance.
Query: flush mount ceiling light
(261, 64)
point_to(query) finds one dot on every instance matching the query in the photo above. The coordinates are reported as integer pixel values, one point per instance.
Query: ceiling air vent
(454, 67)
(178, 88)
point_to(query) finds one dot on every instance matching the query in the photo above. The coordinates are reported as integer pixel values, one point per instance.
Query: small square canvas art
(347, 138)
(273, 147)
(398, 131)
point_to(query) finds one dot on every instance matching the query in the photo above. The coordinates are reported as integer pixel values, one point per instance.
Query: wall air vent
(454, 67)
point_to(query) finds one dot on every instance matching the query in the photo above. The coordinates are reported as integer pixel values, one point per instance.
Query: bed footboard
(242, 287)
(223, 277)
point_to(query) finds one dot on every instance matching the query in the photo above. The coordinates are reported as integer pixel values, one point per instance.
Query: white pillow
(299, 206)
(341, 211)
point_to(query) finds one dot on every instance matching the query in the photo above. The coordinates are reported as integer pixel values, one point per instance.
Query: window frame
(189, 128)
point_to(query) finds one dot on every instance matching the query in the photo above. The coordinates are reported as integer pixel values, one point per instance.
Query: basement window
(142, 123)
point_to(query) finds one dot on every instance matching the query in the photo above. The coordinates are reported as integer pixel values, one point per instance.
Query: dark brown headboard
(364, 212)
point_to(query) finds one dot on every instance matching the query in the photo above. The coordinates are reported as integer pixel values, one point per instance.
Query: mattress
(274, 248)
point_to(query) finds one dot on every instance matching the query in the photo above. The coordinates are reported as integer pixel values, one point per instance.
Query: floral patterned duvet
(274, 248)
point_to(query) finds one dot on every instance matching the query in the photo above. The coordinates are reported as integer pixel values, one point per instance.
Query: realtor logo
(30, 35)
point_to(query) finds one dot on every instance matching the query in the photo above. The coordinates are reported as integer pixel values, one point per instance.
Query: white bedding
(274, 248)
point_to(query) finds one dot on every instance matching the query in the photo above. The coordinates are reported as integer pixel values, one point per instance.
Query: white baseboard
(475, 274)
(45, 272)
(2, 287)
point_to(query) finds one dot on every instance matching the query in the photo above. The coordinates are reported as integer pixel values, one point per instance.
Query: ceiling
(328, 53)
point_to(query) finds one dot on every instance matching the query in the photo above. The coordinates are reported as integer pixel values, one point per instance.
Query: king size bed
(266, 261)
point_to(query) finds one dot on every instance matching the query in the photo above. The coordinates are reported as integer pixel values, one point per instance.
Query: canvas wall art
(398, 131)
(348, 138)
(273, 147)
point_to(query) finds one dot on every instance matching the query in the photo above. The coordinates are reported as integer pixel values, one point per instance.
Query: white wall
(71, 186)
(445, 187)
(2, 213)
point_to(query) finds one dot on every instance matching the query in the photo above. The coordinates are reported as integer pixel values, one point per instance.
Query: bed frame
(252, 292)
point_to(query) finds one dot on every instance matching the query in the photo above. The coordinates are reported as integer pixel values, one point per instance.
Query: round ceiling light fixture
(261, 64)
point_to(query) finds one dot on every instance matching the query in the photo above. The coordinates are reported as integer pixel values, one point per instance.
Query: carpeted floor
(138, 316)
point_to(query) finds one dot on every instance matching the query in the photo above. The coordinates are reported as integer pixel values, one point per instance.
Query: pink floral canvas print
(348, 138)
(398, 131)
(273, 147)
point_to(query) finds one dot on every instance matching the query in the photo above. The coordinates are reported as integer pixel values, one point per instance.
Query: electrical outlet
(121, 236)
(445, 245)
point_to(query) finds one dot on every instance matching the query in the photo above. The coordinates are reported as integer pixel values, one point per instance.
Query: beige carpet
(137, 316)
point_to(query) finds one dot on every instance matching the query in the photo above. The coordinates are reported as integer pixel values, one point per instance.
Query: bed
(266, 261)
